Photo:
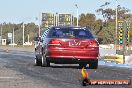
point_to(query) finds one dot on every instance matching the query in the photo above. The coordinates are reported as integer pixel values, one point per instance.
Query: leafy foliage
(103, 28)
(109, 15)
(30, 29)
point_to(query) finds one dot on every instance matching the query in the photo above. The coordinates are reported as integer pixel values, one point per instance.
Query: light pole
(56, 21)
(116, 24)
(77, 13)
(13, 38)
(28, 38)
(23, 32)
(39, 19)
(1, 34)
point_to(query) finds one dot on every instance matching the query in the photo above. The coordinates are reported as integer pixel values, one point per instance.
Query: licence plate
(74, 43)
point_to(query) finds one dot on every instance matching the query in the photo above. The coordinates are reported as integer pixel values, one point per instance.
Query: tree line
(103, 28)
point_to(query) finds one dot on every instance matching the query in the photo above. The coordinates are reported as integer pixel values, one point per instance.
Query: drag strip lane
(60, 76)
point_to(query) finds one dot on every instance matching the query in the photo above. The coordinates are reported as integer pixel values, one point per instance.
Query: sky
(17, 11)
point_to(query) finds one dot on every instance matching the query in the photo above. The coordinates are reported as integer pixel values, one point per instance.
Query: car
(67, 45)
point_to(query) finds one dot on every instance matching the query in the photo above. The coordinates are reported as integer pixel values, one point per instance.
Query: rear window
(69, 33)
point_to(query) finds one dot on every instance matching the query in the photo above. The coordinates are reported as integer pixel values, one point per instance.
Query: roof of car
(66, 27)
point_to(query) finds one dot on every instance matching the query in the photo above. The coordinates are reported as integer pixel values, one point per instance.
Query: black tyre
(45, 62)
(93, 65)
(81, 65)
(37, 59)
(37, 62)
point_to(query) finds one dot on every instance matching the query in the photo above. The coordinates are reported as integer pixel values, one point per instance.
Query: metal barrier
(120, 52)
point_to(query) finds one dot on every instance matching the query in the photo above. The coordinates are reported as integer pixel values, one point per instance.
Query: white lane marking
(9, 77)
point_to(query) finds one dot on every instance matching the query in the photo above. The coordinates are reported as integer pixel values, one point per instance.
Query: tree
(30, 29)
(109, 16)
(89, 20)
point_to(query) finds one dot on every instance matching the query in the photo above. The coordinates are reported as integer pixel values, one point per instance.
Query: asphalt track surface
(60, 76)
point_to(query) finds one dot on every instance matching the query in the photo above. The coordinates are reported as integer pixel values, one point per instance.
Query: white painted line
(9, 77)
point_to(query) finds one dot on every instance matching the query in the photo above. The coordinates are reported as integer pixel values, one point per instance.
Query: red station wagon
(67, 45)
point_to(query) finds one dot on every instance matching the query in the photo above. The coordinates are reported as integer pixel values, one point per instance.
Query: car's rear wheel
(45, 61)
(93, 65)
(81, 65)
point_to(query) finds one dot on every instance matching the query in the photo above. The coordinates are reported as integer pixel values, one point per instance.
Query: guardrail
(120, 52)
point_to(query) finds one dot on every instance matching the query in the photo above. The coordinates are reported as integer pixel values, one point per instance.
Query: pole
(39, 23)
(58, 23)
(1, 34)
(77, 16)
(124, 40)
(77, 13)
(116, 42)
(23, 34)
(56, 19)
(13, 37)
(71, 19)
(28, 38)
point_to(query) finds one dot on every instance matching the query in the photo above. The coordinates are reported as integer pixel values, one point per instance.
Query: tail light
(93, 43)
(54, 42)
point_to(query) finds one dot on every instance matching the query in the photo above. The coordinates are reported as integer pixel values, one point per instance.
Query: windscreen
(70, 33)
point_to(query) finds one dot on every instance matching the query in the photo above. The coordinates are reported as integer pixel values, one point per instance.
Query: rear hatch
(76, 43)
(71, 38)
